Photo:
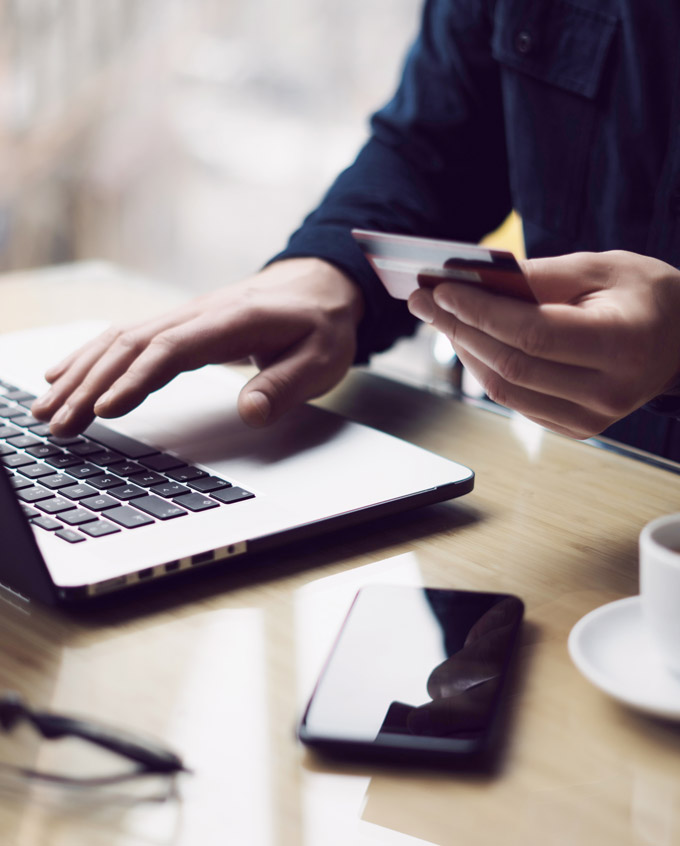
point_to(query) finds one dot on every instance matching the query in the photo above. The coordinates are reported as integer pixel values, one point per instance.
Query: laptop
(181, 482)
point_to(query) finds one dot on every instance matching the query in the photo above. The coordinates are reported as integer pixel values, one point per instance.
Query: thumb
(286, 383)
(566, 279)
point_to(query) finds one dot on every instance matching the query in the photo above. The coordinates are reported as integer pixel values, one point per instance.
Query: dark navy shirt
(566, 110)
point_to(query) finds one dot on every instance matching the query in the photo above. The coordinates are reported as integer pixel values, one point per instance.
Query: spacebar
(115, 440)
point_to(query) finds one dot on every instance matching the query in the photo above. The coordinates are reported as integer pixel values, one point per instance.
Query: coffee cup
(660, 586)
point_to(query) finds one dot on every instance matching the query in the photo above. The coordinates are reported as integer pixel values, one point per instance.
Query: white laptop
(182, 482)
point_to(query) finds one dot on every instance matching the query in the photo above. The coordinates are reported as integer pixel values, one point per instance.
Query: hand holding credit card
(404, 263)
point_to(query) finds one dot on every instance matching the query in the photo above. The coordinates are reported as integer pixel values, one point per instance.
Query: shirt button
(524, 42)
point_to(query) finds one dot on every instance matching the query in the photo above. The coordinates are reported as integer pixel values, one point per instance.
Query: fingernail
(45, 399)
(261, 405)
(443, 300)
(61, 416)
(422, 309)
(102, 402)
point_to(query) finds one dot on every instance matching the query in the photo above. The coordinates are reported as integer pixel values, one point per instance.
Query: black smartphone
(416, 676)
(404, 262)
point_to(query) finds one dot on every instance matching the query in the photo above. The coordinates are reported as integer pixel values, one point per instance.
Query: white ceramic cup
(660, 586)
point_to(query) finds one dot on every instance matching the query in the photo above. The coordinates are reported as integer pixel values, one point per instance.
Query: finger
(69, 404)
(68, 374)
(296, 366)
(554, 413)
(580, 385)
(72, 372)
(57, 370)
(209, 338)
(569, 278)
(562, 333)
(301, 373)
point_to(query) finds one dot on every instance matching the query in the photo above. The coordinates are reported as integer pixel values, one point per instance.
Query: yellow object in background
(508, 236)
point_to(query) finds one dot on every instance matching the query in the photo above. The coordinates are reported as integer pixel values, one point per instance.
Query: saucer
(613, 649)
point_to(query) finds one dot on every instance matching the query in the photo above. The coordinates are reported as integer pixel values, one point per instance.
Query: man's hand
(296, 320)
(603, 340)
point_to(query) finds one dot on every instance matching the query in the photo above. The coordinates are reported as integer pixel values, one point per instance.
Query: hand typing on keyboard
(296, 320)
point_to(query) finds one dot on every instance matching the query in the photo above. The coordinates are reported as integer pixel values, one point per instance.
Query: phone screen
(403, 263)
(416, 674)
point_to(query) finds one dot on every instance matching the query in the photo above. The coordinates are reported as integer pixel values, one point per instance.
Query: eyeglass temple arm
(151, 756)
(148, 754)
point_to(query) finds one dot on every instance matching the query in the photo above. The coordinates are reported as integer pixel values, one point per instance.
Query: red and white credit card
(404, 263)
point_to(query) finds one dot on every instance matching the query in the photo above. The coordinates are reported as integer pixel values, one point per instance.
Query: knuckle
(511, 365)
(614, 400)
(274, 386)
(166, 341)
(535, 340)
(111, 335)
(130, 340)
(494, 388)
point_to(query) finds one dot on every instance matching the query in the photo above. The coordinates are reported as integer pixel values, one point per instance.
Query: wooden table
(221, 671)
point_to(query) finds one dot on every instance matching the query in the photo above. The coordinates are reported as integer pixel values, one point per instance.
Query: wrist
(327, 284)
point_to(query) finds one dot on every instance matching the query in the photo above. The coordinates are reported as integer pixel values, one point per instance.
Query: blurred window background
(182, 138)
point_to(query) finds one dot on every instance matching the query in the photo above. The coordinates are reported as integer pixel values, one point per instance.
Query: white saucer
(612, 648)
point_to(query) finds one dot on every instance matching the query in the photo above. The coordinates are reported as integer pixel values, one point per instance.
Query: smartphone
(416, 676)
(403, 263)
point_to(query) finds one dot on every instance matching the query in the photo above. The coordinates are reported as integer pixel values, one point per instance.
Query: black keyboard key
(9, 431)
(35, 470)
(186, 474)
(170, 489)
(84, 471)
(78, 491)
(157, 507)
(77, 516)
(65, 441)
(99, 503)
(99, 528)
(207, 484)
(85, 448)
(47, 523)
(105, 481)
(70, 536)
(125, 468)
(126, 492)
(196, 502)
(162, 462)
(25, 420)
(130, 447)
(17, 459)
(56, 481)
(24, 441)
(229, 495)
(105, 458)
(6, 450)
(147, 479)
(33, 494)
(42, 430)
(55, 505)
(17, 395)
(9, 411)
(43, 450)
(128, 517)
(29, 512)
(62, 460)
(19, 482)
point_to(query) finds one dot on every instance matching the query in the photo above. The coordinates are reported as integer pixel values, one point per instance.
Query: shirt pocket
(553, 59)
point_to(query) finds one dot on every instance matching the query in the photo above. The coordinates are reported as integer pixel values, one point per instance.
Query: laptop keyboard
(100, 482)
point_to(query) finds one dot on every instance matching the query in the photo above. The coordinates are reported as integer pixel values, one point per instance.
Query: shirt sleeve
(434, 165)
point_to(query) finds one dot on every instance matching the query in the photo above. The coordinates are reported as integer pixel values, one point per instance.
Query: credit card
(404, 263)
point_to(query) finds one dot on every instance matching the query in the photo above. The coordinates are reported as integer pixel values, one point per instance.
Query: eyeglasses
(149, 758)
